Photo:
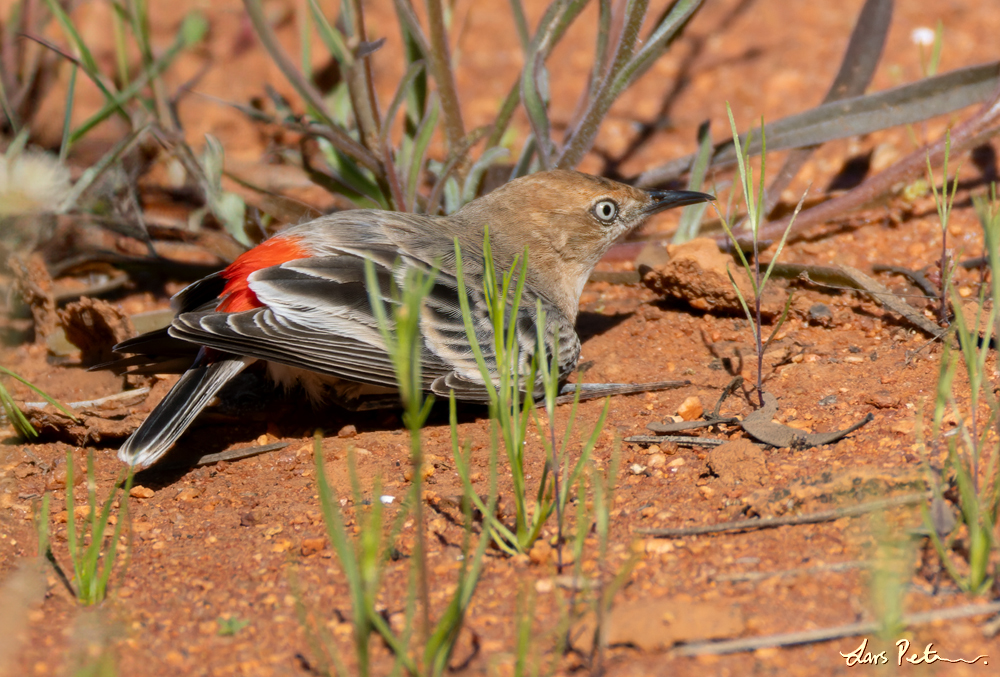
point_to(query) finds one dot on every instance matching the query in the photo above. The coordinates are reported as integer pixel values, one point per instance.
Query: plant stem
(334, 133)
(440, 62)
(759, 329)
(361, 85)
(556, 471)
(580, 139)
(550, 31)
(943, 306)
(417, 461)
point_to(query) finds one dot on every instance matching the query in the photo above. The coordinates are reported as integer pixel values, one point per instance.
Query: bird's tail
(171, 417)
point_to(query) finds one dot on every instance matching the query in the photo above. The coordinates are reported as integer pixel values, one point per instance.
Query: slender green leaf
(692, 215)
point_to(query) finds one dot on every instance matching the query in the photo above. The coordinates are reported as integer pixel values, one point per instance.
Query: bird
(298, 301)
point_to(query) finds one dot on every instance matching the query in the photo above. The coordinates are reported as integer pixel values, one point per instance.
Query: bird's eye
(606, 210)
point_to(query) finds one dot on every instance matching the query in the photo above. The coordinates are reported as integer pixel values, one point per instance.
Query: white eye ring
(606, 210)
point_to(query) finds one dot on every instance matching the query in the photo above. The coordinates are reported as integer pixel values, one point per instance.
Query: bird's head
(568, 220)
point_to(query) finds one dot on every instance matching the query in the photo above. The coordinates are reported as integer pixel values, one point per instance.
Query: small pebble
(904, 427)
(57, 480)
(139, 491)
(882, 400)
(544, 585)
(426, 470)
(656, 460)
(820, 314)
(347, 432)
(251, 517)
(188, 494)
(540, 552)
(690, 409)
(310, 546)
(657, 546)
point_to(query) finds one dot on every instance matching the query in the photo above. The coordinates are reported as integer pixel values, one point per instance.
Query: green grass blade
(781, 321)
(42, 526)
(40, 392)
(470, 330)
(15, 416)
(123, 517)
(521, 24)
(502, 535)
(117, 101)
(743, 301)
(739, 252)
(68, 115)
(653, 47)
(92, 554)
(71, 535)
(742, 164)
(781, 244)
(346, 555)
(692, 215)
(12, 119)
(94, 172)
(87, 60)
(421, 143)
(331, 36)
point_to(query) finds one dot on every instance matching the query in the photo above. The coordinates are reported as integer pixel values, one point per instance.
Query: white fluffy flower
(922, 36)
(32, 182)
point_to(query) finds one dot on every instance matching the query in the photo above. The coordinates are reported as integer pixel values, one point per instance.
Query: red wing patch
(237, 295)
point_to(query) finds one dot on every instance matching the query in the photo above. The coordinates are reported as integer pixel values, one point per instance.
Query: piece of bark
(680, 426)
(95, 326)
(33, 283)
(760, 426)
(111, 427)
(881, 295)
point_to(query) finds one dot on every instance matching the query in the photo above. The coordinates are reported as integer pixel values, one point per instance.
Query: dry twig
(791, 520)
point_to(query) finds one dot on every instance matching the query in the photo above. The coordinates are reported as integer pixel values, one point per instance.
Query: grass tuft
(92, 546)
(754, 199)
(966, 434)
(14, 413)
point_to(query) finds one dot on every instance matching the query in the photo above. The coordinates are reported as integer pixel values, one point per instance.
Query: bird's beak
(668, 199)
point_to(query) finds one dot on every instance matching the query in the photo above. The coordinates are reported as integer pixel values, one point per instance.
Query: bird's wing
(316, 315)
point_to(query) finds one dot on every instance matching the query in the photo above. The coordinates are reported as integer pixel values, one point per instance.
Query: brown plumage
(298, 301)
